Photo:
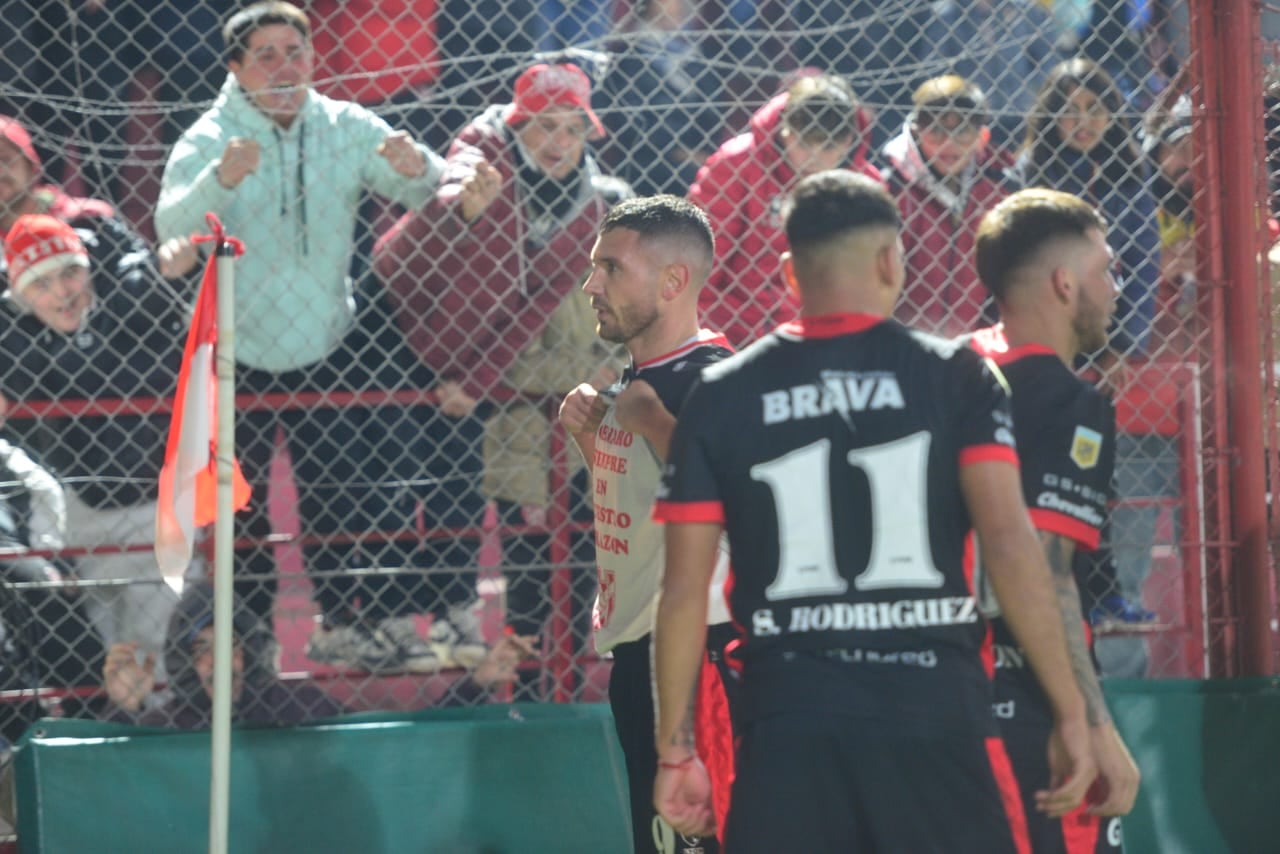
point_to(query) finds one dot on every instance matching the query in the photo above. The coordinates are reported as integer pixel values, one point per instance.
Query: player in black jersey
(1044, 257)
(848, 457)
(648, 265)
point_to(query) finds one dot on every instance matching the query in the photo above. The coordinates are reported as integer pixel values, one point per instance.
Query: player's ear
(889, 264)
(675, 280)
(1062, 282)
(789, 274)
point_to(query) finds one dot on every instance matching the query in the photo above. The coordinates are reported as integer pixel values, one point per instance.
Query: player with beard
(1044, 257)
(848, 458)
(649, 264)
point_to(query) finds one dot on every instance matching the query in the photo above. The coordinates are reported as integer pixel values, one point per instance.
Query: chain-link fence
(421, 531)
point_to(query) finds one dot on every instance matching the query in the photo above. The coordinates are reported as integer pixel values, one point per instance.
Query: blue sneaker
(1116, 610)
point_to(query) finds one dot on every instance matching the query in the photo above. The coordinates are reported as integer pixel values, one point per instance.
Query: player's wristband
(675, 766)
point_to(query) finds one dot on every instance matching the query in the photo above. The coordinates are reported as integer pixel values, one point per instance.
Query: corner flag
(189, 478)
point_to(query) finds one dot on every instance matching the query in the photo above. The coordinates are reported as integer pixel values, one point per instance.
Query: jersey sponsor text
(839, 392)
(1083, 512)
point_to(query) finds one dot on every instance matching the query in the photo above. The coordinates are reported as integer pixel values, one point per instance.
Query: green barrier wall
(491, 780)
(1210, 759)
(533, 779)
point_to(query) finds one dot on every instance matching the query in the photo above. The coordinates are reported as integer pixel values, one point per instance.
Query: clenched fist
(479, 189)
(399, 150)
(239, 160)
(177, 256)
(582, 409)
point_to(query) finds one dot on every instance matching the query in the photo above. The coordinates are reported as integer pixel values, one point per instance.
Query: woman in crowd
(1079, 141)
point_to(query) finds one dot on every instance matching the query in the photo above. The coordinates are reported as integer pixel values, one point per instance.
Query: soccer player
(1044, 257)
(848, 458)
(648, 265)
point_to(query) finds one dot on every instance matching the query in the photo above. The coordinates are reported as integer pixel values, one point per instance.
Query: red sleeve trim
(688, 511)
(1073, 529)
(992, 453)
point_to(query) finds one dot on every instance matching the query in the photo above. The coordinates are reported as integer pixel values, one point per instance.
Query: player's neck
(1025, 332)
(846, 299)
(662, 338)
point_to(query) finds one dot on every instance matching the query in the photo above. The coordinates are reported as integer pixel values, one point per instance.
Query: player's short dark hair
(246, 22)
(1014, 231)
(664, 217)
(833, 203)
(821, 109)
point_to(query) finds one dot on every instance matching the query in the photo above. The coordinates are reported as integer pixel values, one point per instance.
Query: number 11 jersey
(830, 450)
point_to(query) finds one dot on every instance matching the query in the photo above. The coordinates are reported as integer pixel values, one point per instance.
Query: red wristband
(673, 766)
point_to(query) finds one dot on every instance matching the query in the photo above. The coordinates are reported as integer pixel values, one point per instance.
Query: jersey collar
(992, 343)
(829, 325)
(1016, 353)
(704, 336)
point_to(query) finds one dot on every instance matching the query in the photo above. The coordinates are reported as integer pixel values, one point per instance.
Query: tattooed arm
(1058, 550)
(1118, 776)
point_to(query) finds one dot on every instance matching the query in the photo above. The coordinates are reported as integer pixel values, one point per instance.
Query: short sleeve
(689, 491)
(1068, 452)
(986, 420)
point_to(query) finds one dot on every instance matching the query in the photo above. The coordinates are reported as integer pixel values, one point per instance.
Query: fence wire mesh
(416, 513)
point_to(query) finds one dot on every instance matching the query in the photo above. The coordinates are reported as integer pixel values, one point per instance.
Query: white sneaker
(352, 646)
(457, 638)
(416, 653)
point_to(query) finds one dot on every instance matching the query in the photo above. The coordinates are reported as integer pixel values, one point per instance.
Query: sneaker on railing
(416, 653)
(1117, 612)
(457, 638)
(353, 646)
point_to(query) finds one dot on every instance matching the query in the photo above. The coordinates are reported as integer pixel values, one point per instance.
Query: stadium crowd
(403, 240)
(441, 204)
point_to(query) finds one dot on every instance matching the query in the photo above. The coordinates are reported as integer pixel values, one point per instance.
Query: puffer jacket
(943, 294)
(471, 296)
(130, 345)
(742, 187)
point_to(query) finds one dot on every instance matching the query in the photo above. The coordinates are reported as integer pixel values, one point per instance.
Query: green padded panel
(493, 779)
(1210, 758)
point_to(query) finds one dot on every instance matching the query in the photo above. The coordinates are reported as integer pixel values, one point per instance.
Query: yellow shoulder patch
(1086, 446)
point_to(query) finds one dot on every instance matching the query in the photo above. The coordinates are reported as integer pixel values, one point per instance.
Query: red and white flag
(189, 480)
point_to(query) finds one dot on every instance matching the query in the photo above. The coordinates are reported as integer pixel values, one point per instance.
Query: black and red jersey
(1066, 441)
(831, 451)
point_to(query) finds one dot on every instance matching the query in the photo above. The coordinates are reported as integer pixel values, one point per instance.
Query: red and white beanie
(37, 245)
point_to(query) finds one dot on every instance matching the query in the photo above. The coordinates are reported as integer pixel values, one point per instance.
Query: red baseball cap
(545, 85)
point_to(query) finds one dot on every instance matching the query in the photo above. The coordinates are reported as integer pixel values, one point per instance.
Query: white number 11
(900, 554)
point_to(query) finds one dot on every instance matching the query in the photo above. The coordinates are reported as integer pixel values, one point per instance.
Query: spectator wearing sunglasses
(944, 174)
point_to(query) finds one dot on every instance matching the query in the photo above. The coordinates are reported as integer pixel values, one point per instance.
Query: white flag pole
(223, 541)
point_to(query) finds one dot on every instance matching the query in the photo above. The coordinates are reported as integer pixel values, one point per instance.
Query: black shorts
(631, 699)
(1075, 833)
(809, 781)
